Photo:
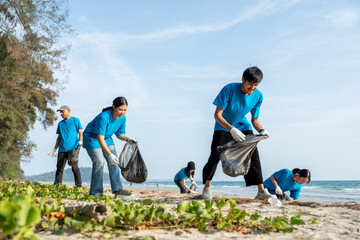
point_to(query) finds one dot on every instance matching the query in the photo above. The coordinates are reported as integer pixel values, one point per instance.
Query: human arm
(80, 131)
(103, 144)
(277, 187)
(235, 133)
(183, 183)
(257, 125)
(53, 152)
(123, 137)
(220, 119)
(57, 141)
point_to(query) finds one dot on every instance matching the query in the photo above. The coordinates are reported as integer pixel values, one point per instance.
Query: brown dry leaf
(58, 215)
(187, 230)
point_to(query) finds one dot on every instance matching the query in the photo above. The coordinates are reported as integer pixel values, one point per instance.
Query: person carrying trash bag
(182, 175)
(100, 146)
(69, 139)
(233, 103)
(287, 180)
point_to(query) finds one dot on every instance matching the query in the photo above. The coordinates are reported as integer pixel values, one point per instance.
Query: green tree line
(30, 55)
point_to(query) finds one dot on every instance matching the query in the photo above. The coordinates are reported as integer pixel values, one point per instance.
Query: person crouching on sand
(182, 175)
(287, 180)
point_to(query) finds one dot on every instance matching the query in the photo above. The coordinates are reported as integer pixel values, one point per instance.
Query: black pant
(61, 162)
(253, 177)
(182, 188)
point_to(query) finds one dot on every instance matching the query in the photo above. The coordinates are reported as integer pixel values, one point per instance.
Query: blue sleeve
(100, 125)
(255, 112)
(122, 127)
(78, 124)
(223, 98)
(295, 193)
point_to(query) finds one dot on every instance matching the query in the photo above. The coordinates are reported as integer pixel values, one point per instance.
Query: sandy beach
(335, 220)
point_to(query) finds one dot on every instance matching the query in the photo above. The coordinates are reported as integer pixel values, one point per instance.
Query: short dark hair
(302, 173)
(253, 74)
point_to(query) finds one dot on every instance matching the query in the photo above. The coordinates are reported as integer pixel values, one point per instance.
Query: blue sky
(171, 58)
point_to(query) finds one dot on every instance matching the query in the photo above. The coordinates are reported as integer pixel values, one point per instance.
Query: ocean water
(332, 191)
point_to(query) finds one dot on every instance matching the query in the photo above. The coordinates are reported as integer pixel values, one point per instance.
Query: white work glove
(53, 153)
(80, 143)
(192, 191)
(131, 140)
(193, 183)
(264, 132)
(113, 159)
(278, 190)
(237, 134)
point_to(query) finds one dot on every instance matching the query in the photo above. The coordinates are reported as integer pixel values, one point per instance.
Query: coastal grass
(28, 208)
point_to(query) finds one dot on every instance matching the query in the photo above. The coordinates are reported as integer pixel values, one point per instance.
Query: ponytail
(119, 101)
(296, 170)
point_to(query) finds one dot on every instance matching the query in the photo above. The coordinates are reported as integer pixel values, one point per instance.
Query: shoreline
(335, 220)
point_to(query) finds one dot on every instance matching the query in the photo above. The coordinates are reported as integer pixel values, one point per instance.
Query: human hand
(194, 184)
(237, 134)
(131, 140)
(80, 143)
(264, 132)
(113, 159)
(278, 190)
(52, 153)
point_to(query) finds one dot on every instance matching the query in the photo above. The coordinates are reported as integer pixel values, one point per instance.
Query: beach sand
(336, 220)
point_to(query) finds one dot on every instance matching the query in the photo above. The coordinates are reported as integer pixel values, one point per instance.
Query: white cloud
(343, 18)
(264, 7)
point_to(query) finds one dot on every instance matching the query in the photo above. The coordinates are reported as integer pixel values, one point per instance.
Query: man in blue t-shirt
(70, 136)
(233, 103)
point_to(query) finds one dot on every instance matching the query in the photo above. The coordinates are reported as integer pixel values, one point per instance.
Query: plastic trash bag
(132, 165)
(236, 156)
(73, 156)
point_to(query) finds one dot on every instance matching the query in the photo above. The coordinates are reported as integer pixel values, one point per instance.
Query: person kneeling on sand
(287, 180)
(182, 175)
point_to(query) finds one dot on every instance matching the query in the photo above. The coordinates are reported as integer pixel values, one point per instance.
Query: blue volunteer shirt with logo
(181, 174)
(106, 125)
(284, 179)
(68, 130)
(236, 105)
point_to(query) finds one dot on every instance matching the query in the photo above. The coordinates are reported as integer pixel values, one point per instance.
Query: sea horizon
(316, 190)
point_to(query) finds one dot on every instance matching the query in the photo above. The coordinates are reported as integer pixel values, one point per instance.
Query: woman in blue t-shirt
(182, 175)
(100, 146)
(287, 180)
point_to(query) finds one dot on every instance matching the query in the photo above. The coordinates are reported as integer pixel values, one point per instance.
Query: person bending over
(287, 180)
(233, 103)
(182, 175)
(100, 146)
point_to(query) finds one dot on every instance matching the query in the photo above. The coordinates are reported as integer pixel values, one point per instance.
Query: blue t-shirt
(284, 179)
(181, 174)
(106, 125)
(236, 105)
(68, 129)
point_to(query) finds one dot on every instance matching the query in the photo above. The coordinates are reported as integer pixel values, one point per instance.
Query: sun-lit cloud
(264, 7)
(343, 18)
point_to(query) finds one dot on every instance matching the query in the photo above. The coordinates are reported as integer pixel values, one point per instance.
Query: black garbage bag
(236, 156)
(73, 156)
(132, 165)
